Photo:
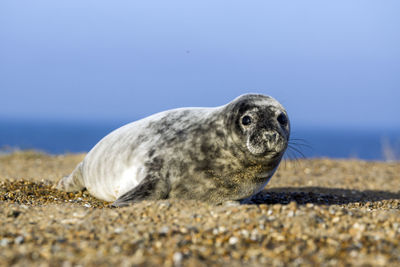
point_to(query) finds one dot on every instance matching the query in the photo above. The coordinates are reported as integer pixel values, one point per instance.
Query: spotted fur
(188, 153)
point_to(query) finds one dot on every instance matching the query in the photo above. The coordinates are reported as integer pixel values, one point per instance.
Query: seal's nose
(272, 140)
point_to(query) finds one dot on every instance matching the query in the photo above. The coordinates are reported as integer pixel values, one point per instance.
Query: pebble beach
(313, 212)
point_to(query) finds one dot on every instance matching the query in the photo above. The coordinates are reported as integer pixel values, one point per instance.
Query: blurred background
(72, 71)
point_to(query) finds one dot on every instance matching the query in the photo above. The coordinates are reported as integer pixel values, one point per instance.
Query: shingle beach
(313, 212)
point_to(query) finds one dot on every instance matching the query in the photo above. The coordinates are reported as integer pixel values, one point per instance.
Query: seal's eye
(282, 119)
(246, 120)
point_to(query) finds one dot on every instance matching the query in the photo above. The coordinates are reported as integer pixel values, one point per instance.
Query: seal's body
(210, 154)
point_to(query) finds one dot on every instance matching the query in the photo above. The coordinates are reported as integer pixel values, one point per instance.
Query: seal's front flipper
(73, 182)
(148, 189)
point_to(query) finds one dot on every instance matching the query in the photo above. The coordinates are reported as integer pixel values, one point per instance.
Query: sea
(59, 137)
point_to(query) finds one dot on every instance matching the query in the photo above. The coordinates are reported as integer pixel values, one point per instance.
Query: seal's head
(260, 125)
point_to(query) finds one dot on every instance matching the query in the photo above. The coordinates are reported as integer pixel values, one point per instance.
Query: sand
(313, 212)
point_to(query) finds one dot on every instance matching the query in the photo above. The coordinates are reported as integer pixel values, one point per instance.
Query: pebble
(233, 240)
(177, 258)
(19, 240)
(4, 242)
(164, 230)
(119, 230)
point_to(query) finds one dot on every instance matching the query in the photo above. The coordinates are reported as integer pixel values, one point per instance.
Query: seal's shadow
(320, 196)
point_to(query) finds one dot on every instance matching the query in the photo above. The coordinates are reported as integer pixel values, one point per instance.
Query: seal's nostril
(271, 137)
(276, 137)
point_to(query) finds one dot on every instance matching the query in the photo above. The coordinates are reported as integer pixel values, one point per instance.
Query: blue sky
(330, 63)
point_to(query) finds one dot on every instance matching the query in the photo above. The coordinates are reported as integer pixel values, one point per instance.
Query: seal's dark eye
(246, 120)
(282, 119)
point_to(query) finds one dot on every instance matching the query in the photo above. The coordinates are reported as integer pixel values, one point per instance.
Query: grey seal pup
(210, 154)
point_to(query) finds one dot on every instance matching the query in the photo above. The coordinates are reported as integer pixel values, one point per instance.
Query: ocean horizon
(60, 137)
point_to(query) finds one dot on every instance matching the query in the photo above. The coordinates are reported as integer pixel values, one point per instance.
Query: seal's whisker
(290, 155)
(297, 144)
(284, 160)
(297, 150)
(300, 142)
(296, 156)
(299, 139)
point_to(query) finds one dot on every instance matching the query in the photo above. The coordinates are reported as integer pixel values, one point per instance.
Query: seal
(209, 154)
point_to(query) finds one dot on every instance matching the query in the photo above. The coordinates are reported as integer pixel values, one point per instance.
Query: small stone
(244, 233)
(164, 204)
(221, 229)
(158, 244)
(233, 240)
(254, 235)
(79, 214)
(381, 260)
(4, 242)
(119, 230)
(70, 221)
(353, 253)
(19, 240)
(335, 219)
(177, 258)
(164, 230)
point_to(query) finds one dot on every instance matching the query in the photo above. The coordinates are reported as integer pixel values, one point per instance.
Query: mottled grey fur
(190, 153)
